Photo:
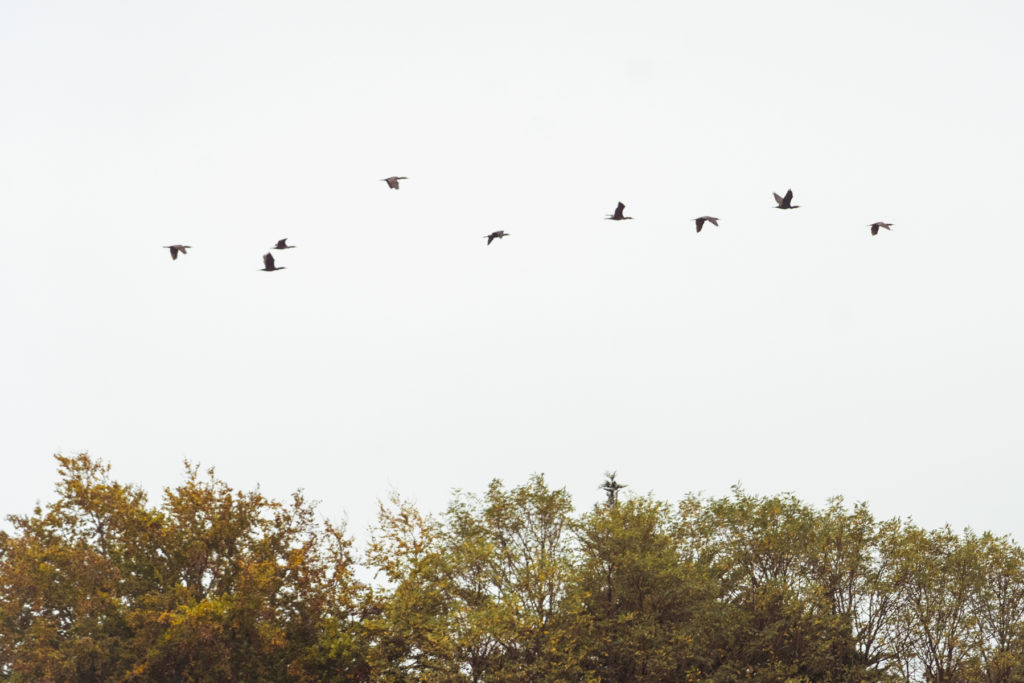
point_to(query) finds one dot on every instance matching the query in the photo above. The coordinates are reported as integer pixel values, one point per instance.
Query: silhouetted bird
(612, 488)
(175, 248)
(700, 221)
(617, 216)
(785, 202)
(496, 235)
(875, 226)
(268, 263)
(281, 244)
(393, 181)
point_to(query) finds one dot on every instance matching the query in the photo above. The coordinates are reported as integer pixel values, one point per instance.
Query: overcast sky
(787, 350)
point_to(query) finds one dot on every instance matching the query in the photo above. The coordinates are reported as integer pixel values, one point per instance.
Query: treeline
(215, 584)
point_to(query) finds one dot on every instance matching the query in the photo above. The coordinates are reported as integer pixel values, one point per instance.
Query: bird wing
(281, 244)
(778, 199)
(174, 253)
(618, 211)
(874, 229)
(392, 182)
(490, 238)
(714, 221)
(268, 261)
(700, 223)
(789, 197)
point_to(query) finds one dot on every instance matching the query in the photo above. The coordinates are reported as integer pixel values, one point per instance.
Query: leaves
(212, 583)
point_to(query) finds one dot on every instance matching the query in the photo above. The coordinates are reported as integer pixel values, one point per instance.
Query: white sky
(787, 350)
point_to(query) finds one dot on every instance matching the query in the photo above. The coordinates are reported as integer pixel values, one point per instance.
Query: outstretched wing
(874, 229)
(174, 253)
(268, 261)
(490, 238)
(789, 197)
(281, 244)
(618, 211)
(700, 223)
(778, 199)
(714, 221)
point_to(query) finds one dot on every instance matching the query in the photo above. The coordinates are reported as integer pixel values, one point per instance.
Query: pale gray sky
(789, 350)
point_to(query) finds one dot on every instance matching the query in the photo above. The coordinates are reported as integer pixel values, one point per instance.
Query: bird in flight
(617, 216)
(281, 244)
(268, 263)
(700, 221)
(393, 181)
(785, 202)
(875, 226)
(175, 248)
(496, 235)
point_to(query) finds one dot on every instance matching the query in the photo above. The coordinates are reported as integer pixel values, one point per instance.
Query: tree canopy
(513, 584)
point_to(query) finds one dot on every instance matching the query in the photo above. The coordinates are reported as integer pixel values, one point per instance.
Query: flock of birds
(782, 202)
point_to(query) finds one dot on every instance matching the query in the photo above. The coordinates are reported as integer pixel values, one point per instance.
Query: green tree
(480, 595)
(646, 607)
(940, 574)
(853, 562)
(997, 606)
(778, 623)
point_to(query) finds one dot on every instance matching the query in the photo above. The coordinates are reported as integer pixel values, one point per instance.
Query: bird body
(875, 226)
(393, 181)
(617, 216)
(785, 202)
(281, 244)
(496, 235)
(175, 248)
(700, 221)
(268, 263)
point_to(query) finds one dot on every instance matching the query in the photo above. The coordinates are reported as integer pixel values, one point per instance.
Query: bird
(875, 226)
(617, 216)
(496, 235)
(785, 202)
(175, 248)
(700, 221)
(281, 244)
(268, 263)
(393, 181)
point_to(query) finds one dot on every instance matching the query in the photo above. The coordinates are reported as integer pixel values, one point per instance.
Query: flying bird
(617, 216)
(268, 263)
(785, 202)
(393, 181)
(700, 221)
(175, 248)
(281, 244)
(875, 226)
(496, 235)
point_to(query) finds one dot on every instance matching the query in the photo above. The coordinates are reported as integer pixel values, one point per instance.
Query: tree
(853, 561)
(645, 605)
(777, 622)
(214, 584)
(998, 607)
(940, 573)
(480, 595)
